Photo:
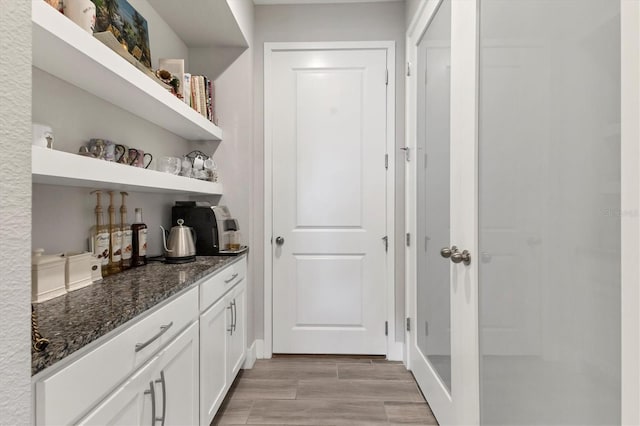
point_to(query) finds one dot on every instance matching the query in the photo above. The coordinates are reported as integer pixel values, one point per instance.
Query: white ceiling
(261, 2)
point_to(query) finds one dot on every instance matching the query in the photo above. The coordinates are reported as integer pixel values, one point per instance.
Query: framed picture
(127, 25)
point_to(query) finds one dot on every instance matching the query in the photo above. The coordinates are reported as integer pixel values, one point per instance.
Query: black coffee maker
(213, 226)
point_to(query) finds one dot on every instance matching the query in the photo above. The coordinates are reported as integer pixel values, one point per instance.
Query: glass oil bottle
(115, 240)
(100, 236)
(127, 234)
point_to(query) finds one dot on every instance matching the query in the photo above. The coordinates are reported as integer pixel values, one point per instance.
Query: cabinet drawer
(62, 397)
(216, 286)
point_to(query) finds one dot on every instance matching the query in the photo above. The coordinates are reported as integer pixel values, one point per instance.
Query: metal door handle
(152, 392)
(164, 398)
(464, 257)
(163, 329)
(446, 252)
(279, 241)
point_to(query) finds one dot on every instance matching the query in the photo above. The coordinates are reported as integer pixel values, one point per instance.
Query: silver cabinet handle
(233, 277)
(164, 398)
(230, 329)
(235, 315)
(152, 392)
(163, 329)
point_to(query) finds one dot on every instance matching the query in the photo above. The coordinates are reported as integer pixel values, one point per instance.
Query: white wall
(332, 22)
(234, 107)
(15, 211)
(411, 9)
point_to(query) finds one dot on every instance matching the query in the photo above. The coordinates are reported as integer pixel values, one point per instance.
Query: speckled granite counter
(80, 317)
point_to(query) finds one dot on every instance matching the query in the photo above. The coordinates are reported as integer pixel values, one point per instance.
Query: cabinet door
(176, 380)
(214, 325)
(237, 338)
(130, 404)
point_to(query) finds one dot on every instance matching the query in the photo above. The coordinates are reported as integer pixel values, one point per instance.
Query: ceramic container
(47, 276)
(77, 270)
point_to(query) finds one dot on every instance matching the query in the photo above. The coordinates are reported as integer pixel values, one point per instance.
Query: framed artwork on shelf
(127, 25)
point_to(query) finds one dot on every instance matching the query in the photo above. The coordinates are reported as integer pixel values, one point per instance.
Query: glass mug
(170, 165)
(234, 240)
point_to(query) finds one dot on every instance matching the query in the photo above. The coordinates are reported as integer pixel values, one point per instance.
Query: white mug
(82, 12)
(42, 135)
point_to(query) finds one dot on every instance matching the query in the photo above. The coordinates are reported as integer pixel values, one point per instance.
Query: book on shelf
(203, 96)
(195, 93)
(186, 88)
(199, 94)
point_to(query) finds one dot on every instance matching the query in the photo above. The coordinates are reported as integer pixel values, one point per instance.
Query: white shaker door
(329, 219)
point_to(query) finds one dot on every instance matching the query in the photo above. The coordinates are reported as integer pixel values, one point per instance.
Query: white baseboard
(260, 349)
(251, 357)
(396, 351)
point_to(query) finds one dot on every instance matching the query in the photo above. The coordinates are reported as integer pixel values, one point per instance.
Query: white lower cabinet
(172, 367)
(222, 349)
(176, 379)
(214, 323)
(165, 390)
(237, 338)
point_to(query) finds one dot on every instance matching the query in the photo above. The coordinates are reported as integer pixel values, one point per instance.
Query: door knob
(446, 252)
(464, 257)
(279, 241)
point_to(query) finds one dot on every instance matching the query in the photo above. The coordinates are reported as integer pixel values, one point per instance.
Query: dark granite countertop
(82, 316)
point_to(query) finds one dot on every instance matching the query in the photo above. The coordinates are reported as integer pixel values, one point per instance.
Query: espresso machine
(216, 230)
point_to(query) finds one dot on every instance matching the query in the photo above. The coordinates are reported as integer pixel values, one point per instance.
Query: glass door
(549, 194)
(524, 152)
(431, 334)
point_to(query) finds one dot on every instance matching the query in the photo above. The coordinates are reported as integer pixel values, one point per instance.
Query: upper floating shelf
(202, 23)
(65, 50)
(53, 167)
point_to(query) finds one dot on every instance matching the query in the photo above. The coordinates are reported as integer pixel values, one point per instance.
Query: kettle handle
(195, 237)
(164, 239)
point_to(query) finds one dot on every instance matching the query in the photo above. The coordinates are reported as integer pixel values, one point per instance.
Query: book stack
(202, 94)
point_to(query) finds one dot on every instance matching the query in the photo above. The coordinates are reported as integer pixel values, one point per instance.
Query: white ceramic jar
(47, 276)
(78, 270)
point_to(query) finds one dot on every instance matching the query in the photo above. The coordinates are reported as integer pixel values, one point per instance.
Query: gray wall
(15, 211)
(344, 22)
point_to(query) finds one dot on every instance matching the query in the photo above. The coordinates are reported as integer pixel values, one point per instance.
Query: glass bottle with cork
(139, 240)
(115, 240)
(100, 236)
(127, 235)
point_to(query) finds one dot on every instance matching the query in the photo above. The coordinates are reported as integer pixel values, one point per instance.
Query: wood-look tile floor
(325, 391)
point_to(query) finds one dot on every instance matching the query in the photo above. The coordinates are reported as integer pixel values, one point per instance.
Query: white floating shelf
(63, 49)
(203, 23)
(62, 168)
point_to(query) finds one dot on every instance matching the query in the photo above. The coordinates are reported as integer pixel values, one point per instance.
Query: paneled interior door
(329, 200)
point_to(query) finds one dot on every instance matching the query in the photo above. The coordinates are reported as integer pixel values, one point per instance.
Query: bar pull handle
(152, 391)
(164, 398)
(163, 329)
(233, 277)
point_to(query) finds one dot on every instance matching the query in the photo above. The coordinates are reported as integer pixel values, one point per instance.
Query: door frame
(394, 349)
(630, 186)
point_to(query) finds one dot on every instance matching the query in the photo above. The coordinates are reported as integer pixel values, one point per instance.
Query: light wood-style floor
(325, 391)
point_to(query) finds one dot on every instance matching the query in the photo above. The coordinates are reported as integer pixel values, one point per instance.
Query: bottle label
(127, 244)
(101, 247)
(142, 242)
(116, 246)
